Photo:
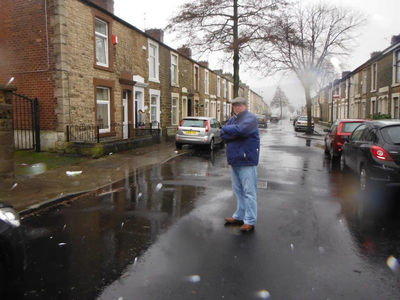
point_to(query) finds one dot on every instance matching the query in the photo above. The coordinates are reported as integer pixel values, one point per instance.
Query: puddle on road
(91, 239)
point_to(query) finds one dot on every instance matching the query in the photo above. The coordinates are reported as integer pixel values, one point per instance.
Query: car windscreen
(193, 123)
(303, 119)
(391, 134)
(349, 127)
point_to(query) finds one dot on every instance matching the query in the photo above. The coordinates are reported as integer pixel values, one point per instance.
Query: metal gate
(26, 123)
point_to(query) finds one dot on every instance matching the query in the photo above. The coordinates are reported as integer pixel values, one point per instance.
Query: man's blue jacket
(242, 140)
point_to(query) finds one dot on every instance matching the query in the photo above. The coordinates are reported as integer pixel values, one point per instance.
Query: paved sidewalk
(32, 192)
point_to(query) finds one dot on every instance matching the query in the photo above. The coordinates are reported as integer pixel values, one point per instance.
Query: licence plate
(191, 132)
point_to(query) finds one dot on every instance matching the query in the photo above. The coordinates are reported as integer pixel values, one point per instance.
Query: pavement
(47, 187)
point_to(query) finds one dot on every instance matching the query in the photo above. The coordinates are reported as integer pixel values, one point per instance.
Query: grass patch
(29, 162)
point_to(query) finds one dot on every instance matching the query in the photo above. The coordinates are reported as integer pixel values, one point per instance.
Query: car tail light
(207, 126)
(180, 123)
(380, 153)
(339, 146)
(340, 127)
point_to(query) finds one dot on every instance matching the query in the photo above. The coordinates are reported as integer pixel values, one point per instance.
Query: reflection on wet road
(159, 234)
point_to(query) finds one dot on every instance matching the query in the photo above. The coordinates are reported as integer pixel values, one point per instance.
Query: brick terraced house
(373, 88)
(93, 71)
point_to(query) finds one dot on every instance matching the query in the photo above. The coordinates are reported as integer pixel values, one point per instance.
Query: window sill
(108, 69)
(108, 134)
(156, 80)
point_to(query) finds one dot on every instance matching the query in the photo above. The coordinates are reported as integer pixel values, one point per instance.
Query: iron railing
(26, 123)
(90, 133)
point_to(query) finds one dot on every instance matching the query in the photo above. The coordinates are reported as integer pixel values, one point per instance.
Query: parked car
(301, 123)
(204, 131)
(373, 152)
(333, 140)
(274, 118)
(262, 121)
(12, 247)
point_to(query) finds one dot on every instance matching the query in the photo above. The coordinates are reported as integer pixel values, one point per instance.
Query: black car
(274, 118)
(12, 247)
(262, 121)
(373, 152)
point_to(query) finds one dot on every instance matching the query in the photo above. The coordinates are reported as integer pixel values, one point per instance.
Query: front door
(189, 108)
(139, 104)
(125, 129)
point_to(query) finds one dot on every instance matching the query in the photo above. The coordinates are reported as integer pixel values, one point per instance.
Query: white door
(125, 114)
(184, 107)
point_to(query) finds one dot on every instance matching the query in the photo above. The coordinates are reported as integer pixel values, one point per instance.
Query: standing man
(142, 119)
(242, 151)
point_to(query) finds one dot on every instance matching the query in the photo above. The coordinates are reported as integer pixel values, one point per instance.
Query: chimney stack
(157, 34)
(345, 73)
(395, 39)
(204, 63)
(185, 51)
(106, 4)
(375, 53)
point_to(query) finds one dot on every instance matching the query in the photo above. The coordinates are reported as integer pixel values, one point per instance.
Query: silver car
(198, 131)
(301, 123)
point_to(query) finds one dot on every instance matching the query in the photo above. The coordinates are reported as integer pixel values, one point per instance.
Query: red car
(334, 135)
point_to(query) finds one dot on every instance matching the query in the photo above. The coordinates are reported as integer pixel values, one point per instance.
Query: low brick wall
(6, 133)
(101, 149)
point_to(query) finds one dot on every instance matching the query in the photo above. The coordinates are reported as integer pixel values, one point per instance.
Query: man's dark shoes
(233, 221)
(246, 227)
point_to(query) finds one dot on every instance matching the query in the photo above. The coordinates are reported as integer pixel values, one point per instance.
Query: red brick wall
(26, 55)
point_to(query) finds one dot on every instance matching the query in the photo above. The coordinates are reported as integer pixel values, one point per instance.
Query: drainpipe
(348, 99)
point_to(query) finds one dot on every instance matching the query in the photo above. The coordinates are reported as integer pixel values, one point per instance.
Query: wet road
(160, 234)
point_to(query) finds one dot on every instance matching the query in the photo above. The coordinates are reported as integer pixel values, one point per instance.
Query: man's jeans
(244, 185)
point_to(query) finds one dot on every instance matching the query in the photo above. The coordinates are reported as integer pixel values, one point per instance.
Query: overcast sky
(383, 24)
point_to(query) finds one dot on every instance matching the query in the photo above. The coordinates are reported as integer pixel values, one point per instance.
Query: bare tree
(327, 75)
(227, 26)
(280, 99)
(309, 37)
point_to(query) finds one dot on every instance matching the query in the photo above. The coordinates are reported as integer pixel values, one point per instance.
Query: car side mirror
(346, 138)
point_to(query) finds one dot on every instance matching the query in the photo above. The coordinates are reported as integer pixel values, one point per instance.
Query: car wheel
(334, 158)
(211, 146)
(326, 151)
(343, 166)
(366, 186)
(363, 180)
(178, 145)
(295, 129)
